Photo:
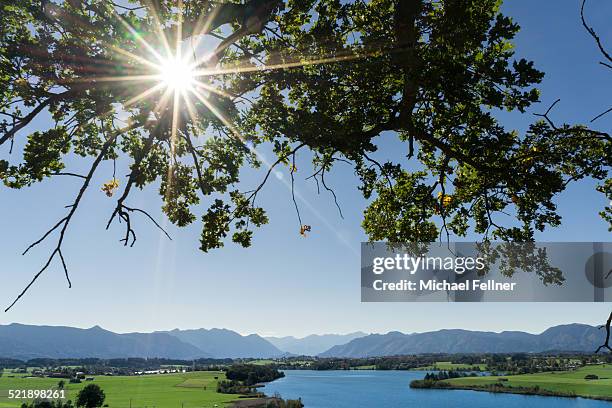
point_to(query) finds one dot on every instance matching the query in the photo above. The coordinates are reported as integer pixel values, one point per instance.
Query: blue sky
(286, 284)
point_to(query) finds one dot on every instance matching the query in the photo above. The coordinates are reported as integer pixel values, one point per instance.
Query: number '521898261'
(30, 394)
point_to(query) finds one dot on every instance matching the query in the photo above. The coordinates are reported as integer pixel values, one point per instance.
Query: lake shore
(500, 389)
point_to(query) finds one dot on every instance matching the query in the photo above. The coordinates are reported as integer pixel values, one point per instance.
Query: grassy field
(185, 390)
(565, 382)
(447, 365)
(262, 362)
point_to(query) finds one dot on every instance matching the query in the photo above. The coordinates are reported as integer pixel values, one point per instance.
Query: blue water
(389, 389)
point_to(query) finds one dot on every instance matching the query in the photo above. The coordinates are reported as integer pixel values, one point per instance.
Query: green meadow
(564, 381)
(262, 362)
(184, 390)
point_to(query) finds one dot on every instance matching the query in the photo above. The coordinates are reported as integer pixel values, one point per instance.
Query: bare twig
(602, 49)
(601, 114)
(150, 218)
(574, 130)
(69, 174)
(593, 34)
(119, 6)
(41, 239)
(545, 114)
(196, 162)
(320, 172)
(23, 122)
(297, 209)
(64, 222)
(254, 192)
(606, 344)
(119, 208)
(61, 255)
(381, 168)
(332, 192)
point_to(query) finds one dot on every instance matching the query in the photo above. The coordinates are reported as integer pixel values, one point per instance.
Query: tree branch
(601, 114)
(119, 209)
(150, 218)
(574, 130)
(69, 174)
(254, 192)
(606, 344)
(593, 34)
(196, 162)
(332, 192)
(64, 222)
(23, 122)
(292, 170)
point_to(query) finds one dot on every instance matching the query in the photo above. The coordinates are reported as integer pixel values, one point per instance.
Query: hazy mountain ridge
(226, 343)
(313, 344)
(571, 337)
(27, 341)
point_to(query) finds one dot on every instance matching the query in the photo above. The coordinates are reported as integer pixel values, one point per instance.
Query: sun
(177, 74)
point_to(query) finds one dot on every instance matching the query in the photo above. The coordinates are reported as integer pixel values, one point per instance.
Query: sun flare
(177, 74)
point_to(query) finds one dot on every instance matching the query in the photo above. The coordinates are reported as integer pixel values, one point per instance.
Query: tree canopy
(91, 396)
(328, 79)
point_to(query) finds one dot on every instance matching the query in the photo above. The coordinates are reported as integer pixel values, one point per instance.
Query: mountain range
(226, 343)
(313, 344)
(27, 341)
(571, 337)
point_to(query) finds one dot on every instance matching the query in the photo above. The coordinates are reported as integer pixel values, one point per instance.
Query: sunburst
(177, 74)
(175, 80)
(167, 68)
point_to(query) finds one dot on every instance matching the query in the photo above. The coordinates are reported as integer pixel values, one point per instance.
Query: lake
(390, 389)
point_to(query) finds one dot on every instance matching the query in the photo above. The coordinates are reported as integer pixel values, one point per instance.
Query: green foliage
(251, 374)
(91, 396)
(48, 404)
(280, 403)
(606, 213)
(233, 387)
(42, 156)
(429, 75)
